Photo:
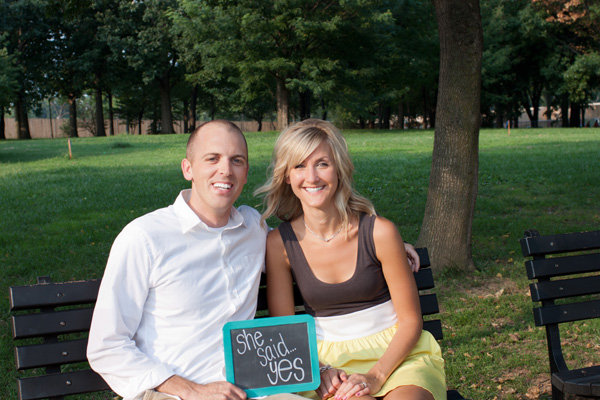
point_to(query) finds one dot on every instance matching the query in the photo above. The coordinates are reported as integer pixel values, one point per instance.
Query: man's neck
(212, 219)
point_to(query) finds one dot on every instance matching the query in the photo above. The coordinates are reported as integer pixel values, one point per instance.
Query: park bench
(57, 316)
(567, 284)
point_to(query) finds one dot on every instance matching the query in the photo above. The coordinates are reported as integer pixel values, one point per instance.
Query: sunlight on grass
(59, 217)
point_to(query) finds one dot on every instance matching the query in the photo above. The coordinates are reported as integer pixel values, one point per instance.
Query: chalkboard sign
(272, 355)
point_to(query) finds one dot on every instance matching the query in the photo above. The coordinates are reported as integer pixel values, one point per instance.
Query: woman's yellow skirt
(423, 367)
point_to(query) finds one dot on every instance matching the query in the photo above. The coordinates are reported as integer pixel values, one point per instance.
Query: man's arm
(111, 351)
(188, 390)
(413, 257)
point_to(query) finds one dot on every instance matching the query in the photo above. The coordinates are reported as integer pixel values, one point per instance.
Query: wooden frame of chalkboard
(272, 355)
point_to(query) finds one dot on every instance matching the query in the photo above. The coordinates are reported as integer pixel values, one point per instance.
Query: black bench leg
(557, 394)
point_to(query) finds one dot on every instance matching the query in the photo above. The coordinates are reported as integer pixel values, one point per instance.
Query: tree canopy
(362, 63)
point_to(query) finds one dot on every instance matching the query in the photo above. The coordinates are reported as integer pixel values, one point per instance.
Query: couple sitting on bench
(176, 275)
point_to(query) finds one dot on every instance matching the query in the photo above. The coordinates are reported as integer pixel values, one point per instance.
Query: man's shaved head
(195, 135)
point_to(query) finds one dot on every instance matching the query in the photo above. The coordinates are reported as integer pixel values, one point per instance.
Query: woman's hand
(331, 380)
(358, 385)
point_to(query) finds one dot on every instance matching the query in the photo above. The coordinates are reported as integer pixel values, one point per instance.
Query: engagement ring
(364, 385)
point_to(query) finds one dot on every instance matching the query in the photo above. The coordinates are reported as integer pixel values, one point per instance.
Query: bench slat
(558, 313)
(424, 279)
(582, 382)
(429, 304)
(559, 266)
(41, 387)
(564, 288)
(53, 294)
(41, 355)
(434, 327)
(562, 243)
(48, 323)
(423, 257)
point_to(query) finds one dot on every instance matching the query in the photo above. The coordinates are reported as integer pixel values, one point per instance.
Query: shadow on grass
(23, 151)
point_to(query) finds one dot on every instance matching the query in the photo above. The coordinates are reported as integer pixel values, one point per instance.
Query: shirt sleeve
(111, 350)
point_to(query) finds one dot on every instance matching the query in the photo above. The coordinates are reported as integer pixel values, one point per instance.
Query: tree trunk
(50, 118)
(401, 115)
(387, 113)
(323, 110)
(186, 116)
(426, 123)
(2, 132)
(111, 114)
(100, 130)
(192, 110)
(166, 119)
(564, 111)
(448, 219)
(304, 105)
(2, 128)
(574, 121)
(72, 115)
(282, 105)
(140, 119)
(23, 131)
(533, 110)
(259, 120)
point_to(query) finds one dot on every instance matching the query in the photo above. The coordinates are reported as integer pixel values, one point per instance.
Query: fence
(52, 128)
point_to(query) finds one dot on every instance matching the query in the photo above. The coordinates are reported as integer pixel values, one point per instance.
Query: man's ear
(186, 168)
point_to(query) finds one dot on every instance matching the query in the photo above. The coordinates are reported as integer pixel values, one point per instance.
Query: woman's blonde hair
(292, 147)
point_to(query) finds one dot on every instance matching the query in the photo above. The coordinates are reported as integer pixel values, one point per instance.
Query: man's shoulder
(155, 221)
(250, 214)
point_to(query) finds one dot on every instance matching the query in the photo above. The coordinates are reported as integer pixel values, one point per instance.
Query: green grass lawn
(59, 216)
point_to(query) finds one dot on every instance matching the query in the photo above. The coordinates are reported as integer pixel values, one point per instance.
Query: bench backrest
(57, 316)
(59, 332)
(423, 278)
(567, 284)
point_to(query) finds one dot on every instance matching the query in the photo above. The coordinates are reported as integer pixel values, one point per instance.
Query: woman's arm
(280, 298)
(280, 293)
(390, 251)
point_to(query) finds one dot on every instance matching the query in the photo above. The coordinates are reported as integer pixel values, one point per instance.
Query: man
(176, 275)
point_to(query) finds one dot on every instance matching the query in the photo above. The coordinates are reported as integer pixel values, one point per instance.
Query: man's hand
(188, 390)
(413, 257)
(331, 380)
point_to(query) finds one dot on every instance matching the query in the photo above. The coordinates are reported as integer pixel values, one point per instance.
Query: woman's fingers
(353, 385)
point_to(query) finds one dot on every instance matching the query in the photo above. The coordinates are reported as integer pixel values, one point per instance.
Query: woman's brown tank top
(366, 288)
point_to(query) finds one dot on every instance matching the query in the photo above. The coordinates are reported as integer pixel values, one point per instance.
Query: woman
(352, 270)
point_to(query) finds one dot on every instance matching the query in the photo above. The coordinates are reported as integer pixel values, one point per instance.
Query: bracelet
(324, 368)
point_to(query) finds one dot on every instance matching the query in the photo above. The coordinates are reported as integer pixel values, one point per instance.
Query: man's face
(218, 170)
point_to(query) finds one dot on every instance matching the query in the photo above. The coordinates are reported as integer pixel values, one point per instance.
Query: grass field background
(59, 216)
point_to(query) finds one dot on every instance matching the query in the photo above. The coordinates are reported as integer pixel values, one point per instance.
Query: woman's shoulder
(384, 229)
(274, 236)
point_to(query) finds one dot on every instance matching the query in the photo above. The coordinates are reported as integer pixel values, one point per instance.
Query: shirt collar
(189, 220)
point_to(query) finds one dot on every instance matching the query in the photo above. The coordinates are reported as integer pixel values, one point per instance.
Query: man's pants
(154, 395)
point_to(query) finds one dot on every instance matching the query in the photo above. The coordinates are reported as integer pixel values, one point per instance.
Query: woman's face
(315, 180)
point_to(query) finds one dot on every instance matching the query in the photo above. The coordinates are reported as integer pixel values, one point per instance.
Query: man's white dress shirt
(170, 284)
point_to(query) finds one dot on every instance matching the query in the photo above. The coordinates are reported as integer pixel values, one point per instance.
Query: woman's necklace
(324, 239)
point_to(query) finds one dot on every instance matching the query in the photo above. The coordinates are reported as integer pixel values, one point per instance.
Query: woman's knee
(410, 392)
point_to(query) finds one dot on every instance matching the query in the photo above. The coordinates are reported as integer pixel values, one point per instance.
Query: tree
(447, 224)
(291, 44)
(576, 24)
(26, 23)
(518, 48)
(8, 84)
(148, 45)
